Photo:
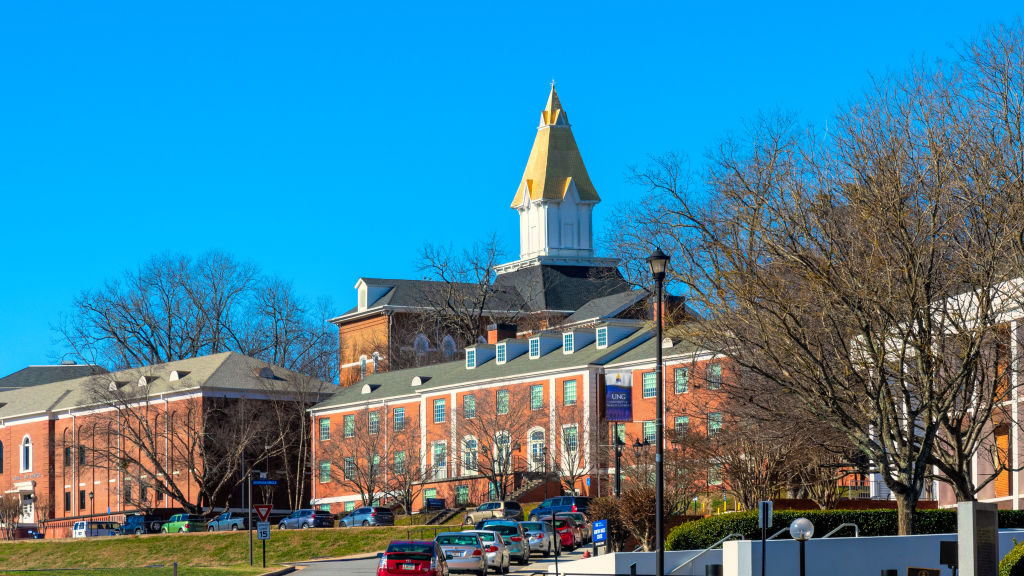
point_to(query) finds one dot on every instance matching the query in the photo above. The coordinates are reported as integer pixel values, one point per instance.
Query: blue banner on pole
(600, 531)
(618, 400)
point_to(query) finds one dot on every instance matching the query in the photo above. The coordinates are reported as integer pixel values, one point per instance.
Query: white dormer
(609, 334)
(542, 345)
(479, 354)
(509, 349)
(145, 381)
(573, 340)
(369, 293)
(419, 380)
(177, 375)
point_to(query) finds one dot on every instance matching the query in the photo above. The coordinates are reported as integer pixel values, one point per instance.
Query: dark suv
(369, 516)
(307, 518)
(139, 524)
(561, 504)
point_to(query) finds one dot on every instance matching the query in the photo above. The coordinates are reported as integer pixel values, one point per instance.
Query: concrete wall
(845, 556)
(618, 563)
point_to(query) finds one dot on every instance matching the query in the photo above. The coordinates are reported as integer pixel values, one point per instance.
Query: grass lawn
(162, 571)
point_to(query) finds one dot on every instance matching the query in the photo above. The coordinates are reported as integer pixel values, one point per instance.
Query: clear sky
(329, 140)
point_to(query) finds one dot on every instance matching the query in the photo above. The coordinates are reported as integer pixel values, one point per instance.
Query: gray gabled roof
(429, 293)
(562, 288)
(227, 371)
(607, 307)
(36, 375)
(397, 384)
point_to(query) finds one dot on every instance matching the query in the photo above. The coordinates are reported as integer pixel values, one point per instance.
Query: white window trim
(568, 340)
(438, 472)
(575, 391)
(470, 358)
(501, 353)
(467, 471)
(566, 462)
(21, 453)
(534, 342)
(603, 330)
(541, 386)
(643, 387)
(433, 410)
(319, 472)
(394, 412)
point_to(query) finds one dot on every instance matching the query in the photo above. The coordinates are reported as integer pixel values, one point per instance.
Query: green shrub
(700, 534)
(1013, 563)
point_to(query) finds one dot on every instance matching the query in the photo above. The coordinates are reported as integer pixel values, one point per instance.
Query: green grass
(163, 571)
(222, 549)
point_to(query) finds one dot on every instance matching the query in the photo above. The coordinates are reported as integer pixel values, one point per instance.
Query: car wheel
(180, 530)
(138, 531)
(234, 526)
(507, 568)
(154, 527)
(163, 530)
(282, 526)
(366, 522)
(305, 526)
(482, 572)
(547, 551)
(211, 529)
(524, 559)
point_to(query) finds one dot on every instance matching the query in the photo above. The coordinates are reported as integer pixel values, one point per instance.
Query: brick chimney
(498, 332)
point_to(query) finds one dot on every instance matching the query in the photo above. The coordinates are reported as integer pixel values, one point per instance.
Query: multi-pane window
(534, 347)
(569, 392)
(325, 471)
(619, 432)
(500, 353)
(428, 494)
(682, 378)
(714, 376)
(471, 358)
(350, 468)
(440, 460)
(503, 447)
(649, 432)
(399, 463)
(470, 455)
(461, 494)
(502, 401)
(374, 422)
(469, 406)
(439, 409)
(536, 397)
(349, 424)
(715, 475)
(375, 464)
(650, 385)
(602, 337)
(67, 497)
(567, 342)
(350, 506)
(682, 425)
(398, 415)
(714, 423)
(325, 429)
(571, 438)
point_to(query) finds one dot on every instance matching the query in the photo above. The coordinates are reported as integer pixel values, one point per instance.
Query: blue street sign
(264, 482)
(600, 531)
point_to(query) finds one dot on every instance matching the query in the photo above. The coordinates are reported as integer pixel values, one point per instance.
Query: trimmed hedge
(700, 534)
(1013, 563)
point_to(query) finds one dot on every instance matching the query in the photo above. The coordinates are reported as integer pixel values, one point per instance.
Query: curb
(364, 556)
(281, 572)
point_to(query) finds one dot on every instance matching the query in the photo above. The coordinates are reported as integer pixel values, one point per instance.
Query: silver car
(464, 552)
(513, 536)
(495, 550)
(540, 537)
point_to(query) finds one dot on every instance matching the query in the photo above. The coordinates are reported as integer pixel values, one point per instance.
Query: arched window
(536, 448)
(470, 455)
(420, 346)
(26, 454)
(362, 367)
(448, 347)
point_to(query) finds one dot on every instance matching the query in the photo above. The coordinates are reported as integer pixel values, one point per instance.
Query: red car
(412, 558)
(566, 532)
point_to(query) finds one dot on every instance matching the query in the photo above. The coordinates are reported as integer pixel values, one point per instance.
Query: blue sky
(327, 140)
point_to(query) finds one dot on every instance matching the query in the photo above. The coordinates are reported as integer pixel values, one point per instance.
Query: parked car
(514, 538)
(89, 528)
(566, 533)
(307, 518)
(409, 557)
(561, 504)
(463, 551)
(540, 537)
(507, 510)
(184, 523)
(141, 524)
(495, 551)
(228, 521)
(586, 528)
(369, 516)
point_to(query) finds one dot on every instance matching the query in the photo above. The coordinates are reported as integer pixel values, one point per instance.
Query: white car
(88, 529)
(495, 550)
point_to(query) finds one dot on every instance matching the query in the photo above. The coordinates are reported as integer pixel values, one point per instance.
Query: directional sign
(263, 530)
(264, 482)
(600, 531)
(262, 512)
(764, 514)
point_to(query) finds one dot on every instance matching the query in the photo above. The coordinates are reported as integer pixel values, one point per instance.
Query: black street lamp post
(658, 263)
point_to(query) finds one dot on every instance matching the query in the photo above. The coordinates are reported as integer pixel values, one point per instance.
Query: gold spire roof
(555, 162)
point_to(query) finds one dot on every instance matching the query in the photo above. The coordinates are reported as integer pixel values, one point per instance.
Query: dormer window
(501, 353)
(567, 343)
(534, 348)
(177, 375)
(470, 358)
(602, 337)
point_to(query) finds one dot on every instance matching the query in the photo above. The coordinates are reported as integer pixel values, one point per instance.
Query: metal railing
(856, 529)
(705, 551)
(779, 533)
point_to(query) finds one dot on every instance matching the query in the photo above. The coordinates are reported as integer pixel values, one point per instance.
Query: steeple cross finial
(552, 83)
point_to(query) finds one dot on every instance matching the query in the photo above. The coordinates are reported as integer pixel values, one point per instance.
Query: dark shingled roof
(36, 375)
(423, 293)
(565, 288)
(607, 306)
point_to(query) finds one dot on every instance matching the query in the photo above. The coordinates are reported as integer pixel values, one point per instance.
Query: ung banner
(618, 396)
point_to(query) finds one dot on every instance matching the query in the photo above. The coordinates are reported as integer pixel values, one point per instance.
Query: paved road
(368, 567)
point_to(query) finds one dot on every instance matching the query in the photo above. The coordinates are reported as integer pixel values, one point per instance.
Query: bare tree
(44, 511)
(572, 464)
(176, 307)
(360, 453)
(498, 424)
(10, 515)
(407, 471)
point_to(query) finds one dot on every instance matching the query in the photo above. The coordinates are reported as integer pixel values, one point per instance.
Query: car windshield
(412, 549)
(458, 540)
(533, 526)
(503, 529)
(486, 536)
(561, 523)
